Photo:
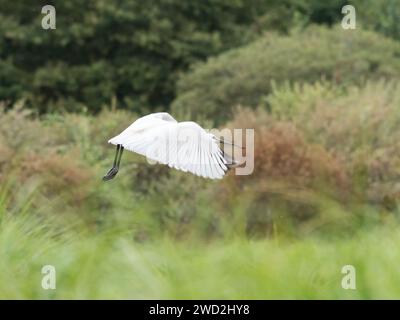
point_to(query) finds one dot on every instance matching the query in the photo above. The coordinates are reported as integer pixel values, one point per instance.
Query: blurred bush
(128, 52)
(131, 53)
(321, 151)
(382, 16)
(246, 75)
(297, 186)
(361, 125)
(60, 159)
(326, 162)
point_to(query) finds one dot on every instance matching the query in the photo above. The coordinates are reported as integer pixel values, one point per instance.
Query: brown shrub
(6, 155)
(59, 175)
(283, 154)
(292, 178)
(361, 125)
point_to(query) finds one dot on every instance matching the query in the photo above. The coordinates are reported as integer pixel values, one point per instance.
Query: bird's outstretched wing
(184, 146)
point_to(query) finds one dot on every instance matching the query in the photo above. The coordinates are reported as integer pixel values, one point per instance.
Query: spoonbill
(185, 146)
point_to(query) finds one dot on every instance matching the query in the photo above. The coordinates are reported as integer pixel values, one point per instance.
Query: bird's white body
(181, 145)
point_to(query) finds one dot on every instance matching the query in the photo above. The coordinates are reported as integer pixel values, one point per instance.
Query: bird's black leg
(120, 155)
(116, 155)
(114, 170)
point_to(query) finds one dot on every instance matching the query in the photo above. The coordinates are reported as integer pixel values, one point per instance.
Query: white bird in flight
(181, 145)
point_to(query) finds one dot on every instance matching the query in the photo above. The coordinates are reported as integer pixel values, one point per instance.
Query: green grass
(111, 265)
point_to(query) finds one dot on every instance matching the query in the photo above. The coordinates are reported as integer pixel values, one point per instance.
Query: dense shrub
(293, 181)
(127, 51)
(60, 159)
(382, 16)
(282, 153)
(246, 75)
(319, 147)
(362, 125)
(131, 53)
(325, 156)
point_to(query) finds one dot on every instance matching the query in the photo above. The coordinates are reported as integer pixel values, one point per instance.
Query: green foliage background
(247, 75)
(324, 103)
(131, 53)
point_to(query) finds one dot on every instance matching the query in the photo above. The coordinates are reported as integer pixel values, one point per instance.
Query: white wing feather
(184, 146)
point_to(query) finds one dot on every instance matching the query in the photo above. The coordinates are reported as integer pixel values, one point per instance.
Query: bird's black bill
(228, 142)
(117, 160)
